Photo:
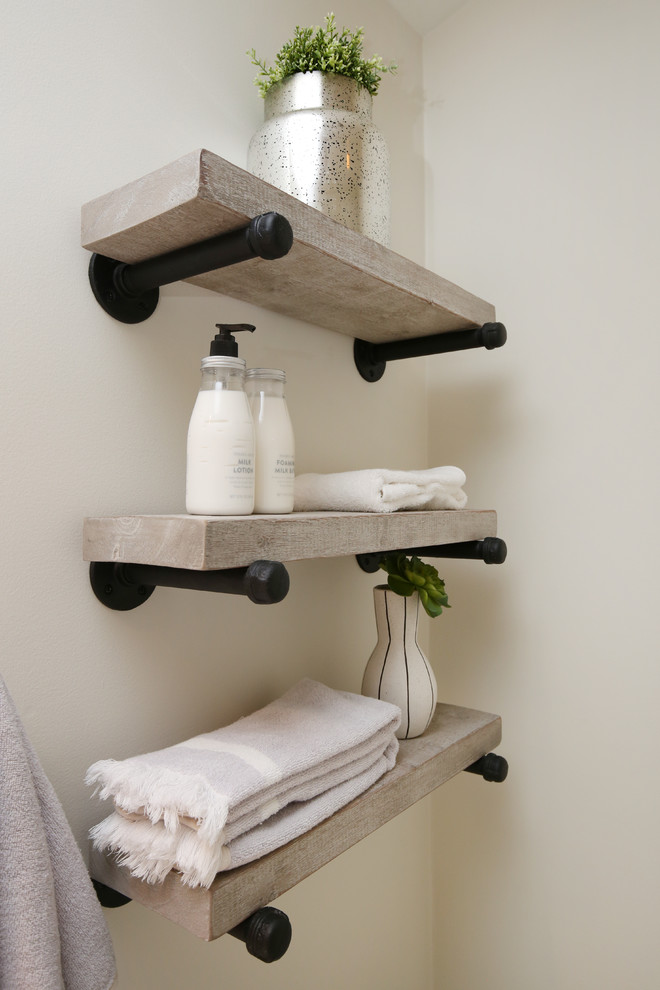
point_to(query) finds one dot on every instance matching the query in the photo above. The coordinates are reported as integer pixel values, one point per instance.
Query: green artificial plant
(325, 49)
(409, 574)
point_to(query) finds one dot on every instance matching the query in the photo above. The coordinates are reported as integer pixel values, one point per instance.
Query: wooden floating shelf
(218, 542)
(333, 277)
(456, 738)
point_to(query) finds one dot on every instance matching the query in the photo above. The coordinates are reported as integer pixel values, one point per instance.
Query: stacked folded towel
(380, 490)
(227, 797)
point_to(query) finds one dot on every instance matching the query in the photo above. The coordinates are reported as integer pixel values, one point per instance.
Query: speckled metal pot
(318, 144)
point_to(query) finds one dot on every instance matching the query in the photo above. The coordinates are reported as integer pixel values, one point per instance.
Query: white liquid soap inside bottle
(220, 460)
(274, 441)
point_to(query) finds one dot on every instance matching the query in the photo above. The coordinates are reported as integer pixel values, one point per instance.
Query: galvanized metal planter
(318, 143)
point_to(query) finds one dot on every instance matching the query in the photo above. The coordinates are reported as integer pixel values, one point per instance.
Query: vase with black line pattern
(397, 670)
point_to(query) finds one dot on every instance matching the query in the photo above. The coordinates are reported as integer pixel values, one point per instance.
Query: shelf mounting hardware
(491, 767)
(123, 586)
(371, 359)
(129, 293)
(492, 550)
(266, 933)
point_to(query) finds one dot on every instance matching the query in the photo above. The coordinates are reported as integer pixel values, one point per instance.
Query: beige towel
(53, 934)
(191, 806)
(150, 850)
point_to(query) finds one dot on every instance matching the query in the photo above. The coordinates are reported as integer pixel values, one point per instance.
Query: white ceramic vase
(318, 143)
(397, 670)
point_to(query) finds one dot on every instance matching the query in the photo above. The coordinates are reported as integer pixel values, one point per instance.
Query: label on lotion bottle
(220, 474)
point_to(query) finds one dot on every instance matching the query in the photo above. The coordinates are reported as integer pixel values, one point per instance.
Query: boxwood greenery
(326, 49)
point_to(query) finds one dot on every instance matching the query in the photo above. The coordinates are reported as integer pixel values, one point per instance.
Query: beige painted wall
(540, 161)
(543, 156)
(94, 418)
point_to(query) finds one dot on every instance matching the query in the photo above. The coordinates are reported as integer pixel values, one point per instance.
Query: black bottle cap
(224, 343)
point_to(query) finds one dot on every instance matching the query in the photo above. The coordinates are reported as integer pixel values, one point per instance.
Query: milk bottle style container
(274, 440)
(220, 453)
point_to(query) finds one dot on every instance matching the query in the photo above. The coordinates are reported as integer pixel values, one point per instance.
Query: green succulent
(326, 49)
(409, 574)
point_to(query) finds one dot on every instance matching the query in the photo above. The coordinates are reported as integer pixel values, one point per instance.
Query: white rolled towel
(380, 490)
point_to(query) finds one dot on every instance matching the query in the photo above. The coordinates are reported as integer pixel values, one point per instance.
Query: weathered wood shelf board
(216, 542)
(455, 739)
(333, 277)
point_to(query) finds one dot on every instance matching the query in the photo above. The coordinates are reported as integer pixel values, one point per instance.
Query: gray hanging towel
(53, 934)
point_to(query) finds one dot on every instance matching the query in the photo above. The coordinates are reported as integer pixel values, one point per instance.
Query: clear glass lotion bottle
(274, 441)
(220, 454)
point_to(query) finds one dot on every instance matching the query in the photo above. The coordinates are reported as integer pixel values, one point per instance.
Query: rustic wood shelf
(338, 279)
(217, 542)
(333, 277)
(456, 738)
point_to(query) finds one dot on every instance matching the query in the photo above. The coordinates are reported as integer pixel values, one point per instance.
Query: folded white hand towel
(150, 851)
(380, 490)
(52, 931)
(218, 786)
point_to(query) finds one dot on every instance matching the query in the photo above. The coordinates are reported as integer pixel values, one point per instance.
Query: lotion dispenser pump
(224, 343)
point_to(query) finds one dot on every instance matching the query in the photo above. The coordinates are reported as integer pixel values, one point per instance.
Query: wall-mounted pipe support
(124, 586)
(108, 896)
(371, 359)
(129, 293)
(266, 933)
(491, 767)
(492, 550)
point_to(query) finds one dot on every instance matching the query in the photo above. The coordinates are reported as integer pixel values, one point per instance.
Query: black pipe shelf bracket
(371, 359)
(123, 586)
(492, 550)
(491, 767)
(266, 933)
(129, 293)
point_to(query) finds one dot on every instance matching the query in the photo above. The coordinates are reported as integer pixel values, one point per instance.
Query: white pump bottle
(220, 462)
(274, 441)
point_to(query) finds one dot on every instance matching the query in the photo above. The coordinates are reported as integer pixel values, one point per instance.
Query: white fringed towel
(229, 796)
(380, 490)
